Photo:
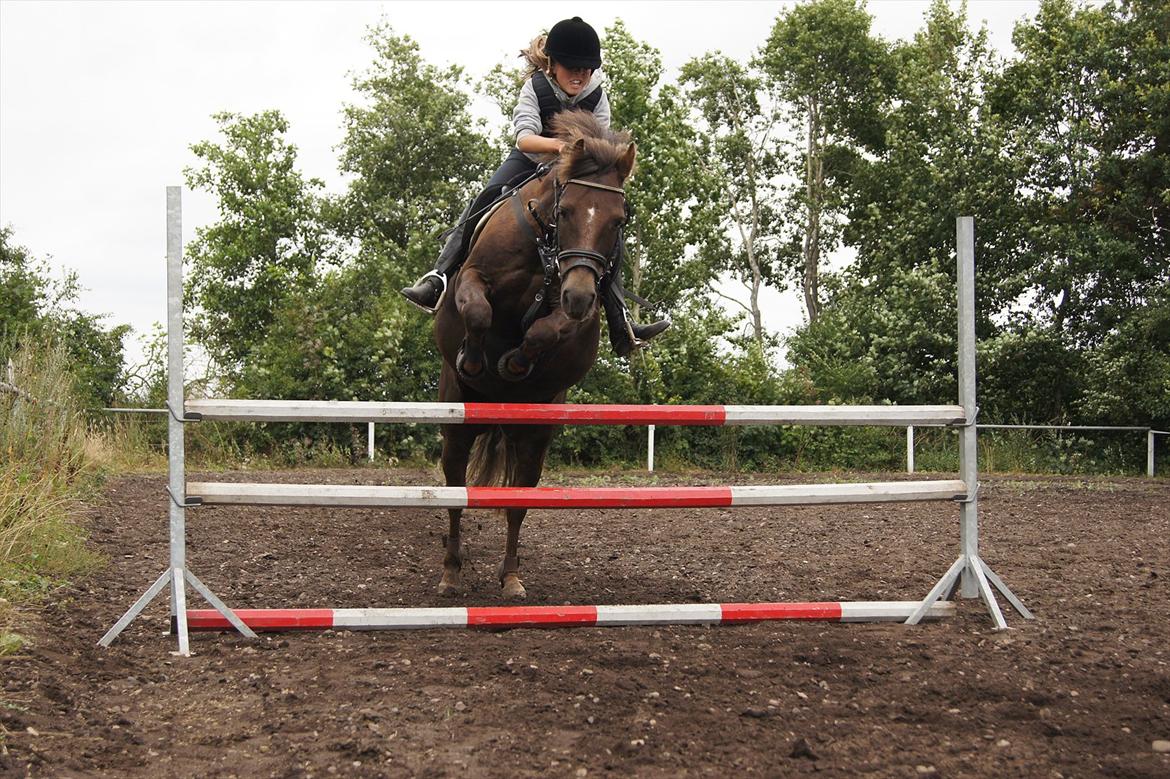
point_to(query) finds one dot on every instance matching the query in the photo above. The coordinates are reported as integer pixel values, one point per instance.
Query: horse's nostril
(577, 303)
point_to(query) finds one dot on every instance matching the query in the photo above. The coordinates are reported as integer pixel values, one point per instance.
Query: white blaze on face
(590, 213)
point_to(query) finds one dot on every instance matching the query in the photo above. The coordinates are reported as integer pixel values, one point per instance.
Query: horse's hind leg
(531, 444)
(457, 441)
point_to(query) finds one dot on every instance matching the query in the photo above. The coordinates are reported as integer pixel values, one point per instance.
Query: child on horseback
(563, 74)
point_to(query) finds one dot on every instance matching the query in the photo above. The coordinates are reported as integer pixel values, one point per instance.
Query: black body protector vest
(550, 106)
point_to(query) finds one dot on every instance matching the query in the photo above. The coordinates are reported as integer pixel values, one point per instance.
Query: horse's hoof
(513, 589)
(505, 367)
(450, 586)
(461, 367)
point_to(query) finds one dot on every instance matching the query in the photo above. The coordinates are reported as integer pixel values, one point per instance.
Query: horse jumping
(547, 255)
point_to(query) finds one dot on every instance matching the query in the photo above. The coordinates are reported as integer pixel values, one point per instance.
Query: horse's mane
(602, 147)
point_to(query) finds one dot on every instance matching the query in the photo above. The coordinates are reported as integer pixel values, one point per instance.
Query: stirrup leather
(629, 321)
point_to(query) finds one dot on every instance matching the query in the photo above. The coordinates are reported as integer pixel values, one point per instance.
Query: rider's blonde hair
(535, 57)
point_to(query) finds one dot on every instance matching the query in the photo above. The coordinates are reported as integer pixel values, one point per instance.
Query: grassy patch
(47, 466)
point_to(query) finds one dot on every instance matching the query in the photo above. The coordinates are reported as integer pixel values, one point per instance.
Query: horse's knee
(475, 310)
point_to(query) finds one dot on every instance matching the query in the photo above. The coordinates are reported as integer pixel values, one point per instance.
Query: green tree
(944, 156)
(833, 75)
(297, 291)
(24, 286)
(664, 193)
(1127, 375)
(35, 306)
(741, 167)
(889, 332)
(414, 153)
(894, 345)
(1087, 103)
(267, 243)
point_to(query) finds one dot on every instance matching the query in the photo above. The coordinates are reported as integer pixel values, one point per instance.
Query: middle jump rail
(353, 411)
(204, 493)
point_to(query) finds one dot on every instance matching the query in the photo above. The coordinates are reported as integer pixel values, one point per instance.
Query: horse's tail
(493, 460)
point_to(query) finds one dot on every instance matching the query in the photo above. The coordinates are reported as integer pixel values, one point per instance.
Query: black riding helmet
(574, 44)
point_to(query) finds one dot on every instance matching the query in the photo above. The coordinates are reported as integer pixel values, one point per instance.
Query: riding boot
(624, 333)
(427, 292)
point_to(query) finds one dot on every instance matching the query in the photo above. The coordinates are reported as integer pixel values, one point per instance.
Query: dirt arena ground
(1082, 691)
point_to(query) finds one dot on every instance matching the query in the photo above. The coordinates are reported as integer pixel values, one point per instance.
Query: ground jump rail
(509, 617)
(969, 574)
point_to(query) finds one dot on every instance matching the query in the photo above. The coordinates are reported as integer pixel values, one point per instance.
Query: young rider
(563, 75)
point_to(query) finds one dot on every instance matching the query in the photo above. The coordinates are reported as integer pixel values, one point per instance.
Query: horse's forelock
(601, 148)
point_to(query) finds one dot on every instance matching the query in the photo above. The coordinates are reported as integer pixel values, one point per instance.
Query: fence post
(909, 448)
(1150, 452)
(370, 441)
(650, 448)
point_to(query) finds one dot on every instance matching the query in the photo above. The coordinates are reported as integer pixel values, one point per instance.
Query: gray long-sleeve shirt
(526, 116)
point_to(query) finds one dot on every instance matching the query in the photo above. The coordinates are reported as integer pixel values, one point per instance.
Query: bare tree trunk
(814, 191)
(749, 244)
(757, 319)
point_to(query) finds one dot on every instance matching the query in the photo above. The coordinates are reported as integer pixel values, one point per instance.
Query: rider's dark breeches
(515, 166)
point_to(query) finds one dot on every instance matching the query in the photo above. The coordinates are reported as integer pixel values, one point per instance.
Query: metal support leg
(945, 584)
(1016, 603)
(136, 609)
(219, 605)
(977, 568)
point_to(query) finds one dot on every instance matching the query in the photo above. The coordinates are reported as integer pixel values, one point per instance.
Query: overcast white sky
(101, 101)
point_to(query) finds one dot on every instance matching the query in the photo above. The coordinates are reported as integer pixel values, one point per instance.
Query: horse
(516, 271)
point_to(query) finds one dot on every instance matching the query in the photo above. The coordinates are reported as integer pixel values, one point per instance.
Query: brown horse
(578, 210)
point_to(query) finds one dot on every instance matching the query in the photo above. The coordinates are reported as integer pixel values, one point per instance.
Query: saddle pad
(483, 220)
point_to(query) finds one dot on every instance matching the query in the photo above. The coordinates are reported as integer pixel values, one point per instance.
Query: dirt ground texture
(1084, 690)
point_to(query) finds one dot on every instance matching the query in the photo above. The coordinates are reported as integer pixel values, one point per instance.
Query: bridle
(555, 261)
(587, 258)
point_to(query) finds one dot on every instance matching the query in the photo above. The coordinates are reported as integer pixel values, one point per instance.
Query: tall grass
(46, 466)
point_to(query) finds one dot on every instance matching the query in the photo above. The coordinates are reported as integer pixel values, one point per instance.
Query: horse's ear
(573, 151)
(625, 166)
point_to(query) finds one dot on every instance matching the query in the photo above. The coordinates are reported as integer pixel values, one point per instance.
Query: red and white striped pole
(505, 617)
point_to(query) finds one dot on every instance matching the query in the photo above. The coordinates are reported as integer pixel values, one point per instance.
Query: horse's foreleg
(512, 587)
(473, 306)
(457, 441)
(531, 444)
(542, 337)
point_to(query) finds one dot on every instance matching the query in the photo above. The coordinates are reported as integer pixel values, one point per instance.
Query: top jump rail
(567, 413)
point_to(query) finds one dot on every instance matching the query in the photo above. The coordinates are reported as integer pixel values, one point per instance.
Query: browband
(595, 185)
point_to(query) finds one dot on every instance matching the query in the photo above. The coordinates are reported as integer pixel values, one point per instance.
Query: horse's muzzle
(577, 302)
